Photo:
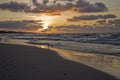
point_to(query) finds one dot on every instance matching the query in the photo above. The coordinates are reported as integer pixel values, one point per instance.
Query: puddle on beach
(106, 63)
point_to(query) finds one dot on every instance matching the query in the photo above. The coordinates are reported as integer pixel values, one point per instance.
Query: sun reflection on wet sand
(44, 47)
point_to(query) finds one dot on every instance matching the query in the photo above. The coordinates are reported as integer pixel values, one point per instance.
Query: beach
(18, 62)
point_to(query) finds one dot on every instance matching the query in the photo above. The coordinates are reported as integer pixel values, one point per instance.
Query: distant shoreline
(2, 31)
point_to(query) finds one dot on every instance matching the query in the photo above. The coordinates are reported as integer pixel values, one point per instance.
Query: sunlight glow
(46, 20)
(46, 24)
(44, 47)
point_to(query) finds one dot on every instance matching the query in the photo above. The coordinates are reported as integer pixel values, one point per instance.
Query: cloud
(14, 6)
(68, 26)
(116, 21)
(91, 17)
(55, 1)
(45, 2)
(113, 23)
(84, 6)
(101, 22)
(34, 2)
(87, 29)
(79, 6)
(25, 25)
(31, 25)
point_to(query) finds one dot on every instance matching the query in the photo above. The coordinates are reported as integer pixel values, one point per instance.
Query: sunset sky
(60, 16)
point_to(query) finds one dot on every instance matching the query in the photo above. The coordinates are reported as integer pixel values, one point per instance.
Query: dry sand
(30, 63)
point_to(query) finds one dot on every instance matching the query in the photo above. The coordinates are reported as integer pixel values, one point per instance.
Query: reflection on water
(13, 41)
(106, 63)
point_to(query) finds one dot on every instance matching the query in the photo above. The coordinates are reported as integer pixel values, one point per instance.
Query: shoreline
(20, 62)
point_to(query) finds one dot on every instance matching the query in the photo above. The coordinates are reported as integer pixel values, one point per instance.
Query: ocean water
(94, 43)
(99, 51)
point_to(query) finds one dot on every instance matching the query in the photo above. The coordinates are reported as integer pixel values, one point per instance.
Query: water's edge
(106, 63)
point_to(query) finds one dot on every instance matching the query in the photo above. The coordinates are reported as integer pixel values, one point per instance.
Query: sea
(100, 51)
(108, 43)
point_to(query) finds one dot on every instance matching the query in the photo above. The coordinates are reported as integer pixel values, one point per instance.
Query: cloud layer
(87, 29)
(114, 22)
(92, 17)
(84, 6)
(33, 26)
(25, 25)
(55, 7)
(13, 6)
(76, 5)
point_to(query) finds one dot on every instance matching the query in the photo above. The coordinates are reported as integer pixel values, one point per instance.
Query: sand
(19, 62)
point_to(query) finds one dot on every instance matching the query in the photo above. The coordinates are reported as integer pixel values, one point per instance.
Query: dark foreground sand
(30, 63)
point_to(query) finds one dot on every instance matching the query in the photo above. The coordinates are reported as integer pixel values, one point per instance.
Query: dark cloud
(101, 22)
(91, 17)
(75, 5)
(116, 21)
(80, 6)
(68, 26)
(84, 6)
(87, 29)
(14, 6)
(54, 1)
(45, 2)
(112, 22)
(63, 0)
(25, 25)
(34, 2)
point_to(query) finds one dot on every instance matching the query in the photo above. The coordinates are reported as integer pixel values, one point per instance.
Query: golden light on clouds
(46, 21)
(46, 24)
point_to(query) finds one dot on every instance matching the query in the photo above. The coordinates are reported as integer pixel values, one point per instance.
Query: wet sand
(30, 63)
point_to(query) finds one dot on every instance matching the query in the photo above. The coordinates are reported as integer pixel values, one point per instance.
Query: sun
(46, 24)
(46, 21)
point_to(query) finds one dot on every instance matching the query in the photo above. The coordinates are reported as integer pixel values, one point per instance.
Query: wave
(94, 43)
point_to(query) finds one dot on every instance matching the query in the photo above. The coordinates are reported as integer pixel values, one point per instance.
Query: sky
(60, 16)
